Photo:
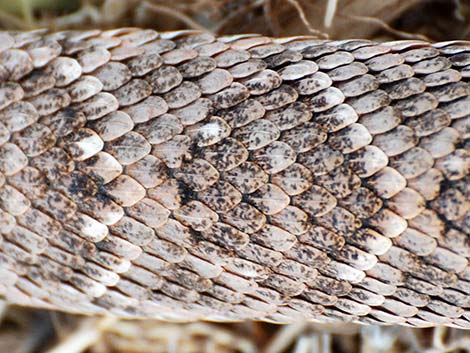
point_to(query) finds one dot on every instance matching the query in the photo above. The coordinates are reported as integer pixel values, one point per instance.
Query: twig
(378, 22)
(330, 13)
(88, 333)
(165, 10)
(285, 337)
(234, 14)
(305, 21)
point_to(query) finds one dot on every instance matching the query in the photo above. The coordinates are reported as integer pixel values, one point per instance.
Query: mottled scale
(294, 179)
(132, 92)
(92, 58)
(451, 91)
(323, 238)
(113, 75)
(198, 174)
(85, 87)
(178, 56)
(247, 177)
(351, 138)
(275, 157)
(298, 70)
(125, 191)
(341, 182)
(164, 79)
(341, 220)
(313, 83)
(418, 104)
(194, 112)
(428, 184)
(359, 85)
(396, 73)
(129, 148)
(147, 109)
(407, 203)
(292, 219)
(269, 199)
(442, 77)
(226, 236)
(451, 204)
(440, 143)
(455, 165)
(160, 129)
(221, 197)
(34, 140)
(429, 122)
(50, 101)
(348, 72)
(173, 151)
(247, 68)
(99, 105)
(102, 166)
(263, 51)
(215, 81)
(231, 57)
(387, 182)
(396, 141)
(334, 60)
(184, 94)
(257, 134)
(370, 102)
(278, 97)
(209, 132)
(262, 82)
(383, 62)
(316, 201)
(16, 63)
(114, 125)
(144, 64)
(321, 160)
(430, 66)
(362, 203)
(227, 154)
(245, 217)
(167, 194)
(230, 96)
(196, 215)
(325, 99)
(337, 118)
(197, 67)
(244, 113)
(290, 116)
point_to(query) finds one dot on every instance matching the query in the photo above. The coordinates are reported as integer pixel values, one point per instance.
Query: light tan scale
(183, 177)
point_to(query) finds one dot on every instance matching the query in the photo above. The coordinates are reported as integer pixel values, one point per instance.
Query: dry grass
(435, 19)
(29, 331)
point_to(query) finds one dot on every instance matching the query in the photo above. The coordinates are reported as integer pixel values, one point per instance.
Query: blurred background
(24, 330)
(380, 19)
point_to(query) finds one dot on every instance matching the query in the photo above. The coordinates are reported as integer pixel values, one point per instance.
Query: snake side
(184, 176)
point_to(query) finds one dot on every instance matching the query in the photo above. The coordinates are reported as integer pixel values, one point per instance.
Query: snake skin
(181, 176)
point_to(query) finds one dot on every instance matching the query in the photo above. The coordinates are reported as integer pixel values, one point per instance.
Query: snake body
(183, 176)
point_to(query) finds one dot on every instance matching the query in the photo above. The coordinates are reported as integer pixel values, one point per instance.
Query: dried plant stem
(88, 333)
(330, 12)
(285, 337)
(304, 19)
(165, 10)
(378, 22)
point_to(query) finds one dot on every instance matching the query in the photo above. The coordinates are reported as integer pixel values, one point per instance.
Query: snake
(185, 176)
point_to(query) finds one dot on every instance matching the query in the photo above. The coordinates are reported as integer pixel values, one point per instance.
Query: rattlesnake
(184, 176)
